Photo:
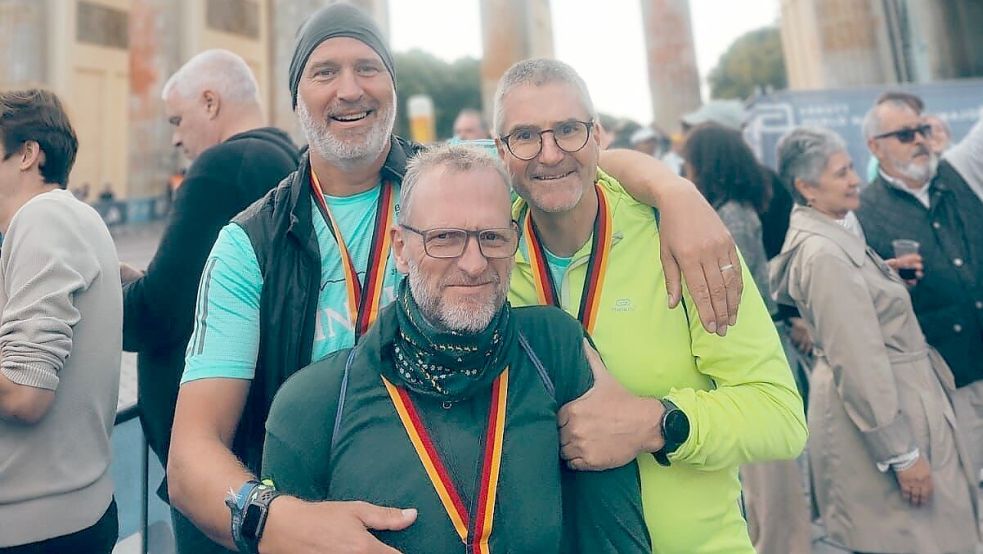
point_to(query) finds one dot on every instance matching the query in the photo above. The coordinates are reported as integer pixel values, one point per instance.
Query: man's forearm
(645, 178)
(23, 403)
(199, 477)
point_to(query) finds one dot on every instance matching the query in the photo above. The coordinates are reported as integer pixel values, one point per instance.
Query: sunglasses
(907, 136)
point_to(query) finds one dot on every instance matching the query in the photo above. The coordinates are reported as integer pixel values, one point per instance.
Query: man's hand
(694, 240)
(297, 527)
(799, 333)
(128, 273)
(916, 482)
(908, 261)
(608, 426)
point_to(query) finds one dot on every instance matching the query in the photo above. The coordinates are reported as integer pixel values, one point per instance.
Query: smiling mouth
(349, 118)
(553, 177)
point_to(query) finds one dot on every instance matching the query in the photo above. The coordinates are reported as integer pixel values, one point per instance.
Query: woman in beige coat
(889, 474)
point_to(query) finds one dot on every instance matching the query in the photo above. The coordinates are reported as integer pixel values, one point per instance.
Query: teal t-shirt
(225, 342)
(558, 267)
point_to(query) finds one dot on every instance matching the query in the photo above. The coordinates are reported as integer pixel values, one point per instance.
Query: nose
(472, 261)
(551, 153)
(853, 178)
(349, 88)
(175, 139)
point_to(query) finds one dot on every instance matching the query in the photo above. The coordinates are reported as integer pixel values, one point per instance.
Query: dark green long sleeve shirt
(541, 506)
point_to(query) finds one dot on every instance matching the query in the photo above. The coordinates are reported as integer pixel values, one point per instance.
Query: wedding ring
(726, 267)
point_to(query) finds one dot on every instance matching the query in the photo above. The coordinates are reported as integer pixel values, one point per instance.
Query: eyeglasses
(450, 243)
(526, 143)
(907, 136)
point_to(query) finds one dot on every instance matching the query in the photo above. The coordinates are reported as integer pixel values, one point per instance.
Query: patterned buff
(447, 365)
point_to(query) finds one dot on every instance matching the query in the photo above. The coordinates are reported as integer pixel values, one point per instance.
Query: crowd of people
(368, 345)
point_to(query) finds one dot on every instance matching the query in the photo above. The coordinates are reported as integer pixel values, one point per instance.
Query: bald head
(212, 97)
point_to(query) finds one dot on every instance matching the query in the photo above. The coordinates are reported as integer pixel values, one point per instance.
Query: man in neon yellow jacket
(690, 405)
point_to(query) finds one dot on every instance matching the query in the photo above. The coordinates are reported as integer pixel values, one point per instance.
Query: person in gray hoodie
(61, 319)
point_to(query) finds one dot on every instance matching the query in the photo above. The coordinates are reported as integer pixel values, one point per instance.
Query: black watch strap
(675, 431)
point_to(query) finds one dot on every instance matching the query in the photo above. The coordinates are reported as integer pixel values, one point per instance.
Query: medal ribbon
(474, 533)
(363, 301)
(600, 252)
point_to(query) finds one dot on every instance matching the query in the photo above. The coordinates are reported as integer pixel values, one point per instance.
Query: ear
(500, 146)
(873, 147)
(31, 155)
(802, 187)
(399, 249)
(213, 103)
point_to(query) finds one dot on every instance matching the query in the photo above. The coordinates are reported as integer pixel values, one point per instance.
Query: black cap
(336, 20)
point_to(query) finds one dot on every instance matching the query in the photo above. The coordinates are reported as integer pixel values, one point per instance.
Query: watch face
(250, 521)
(676, 427)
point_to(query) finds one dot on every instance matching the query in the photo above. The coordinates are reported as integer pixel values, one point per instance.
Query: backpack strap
(540, 368)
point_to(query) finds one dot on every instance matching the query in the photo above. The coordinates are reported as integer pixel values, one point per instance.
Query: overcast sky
(601, 39)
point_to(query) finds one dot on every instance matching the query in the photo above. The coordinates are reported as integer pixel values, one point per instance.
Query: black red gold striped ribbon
(474, 532)
(365, 300)
(546, 289)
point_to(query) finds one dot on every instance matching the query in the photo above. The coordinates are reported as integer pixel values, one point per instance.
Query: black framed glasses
(526, 143)
(907, 136)
(493, 244)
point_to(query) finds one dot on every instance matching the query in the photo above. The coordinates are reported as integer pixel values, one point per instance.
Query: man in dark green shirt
(448, 404)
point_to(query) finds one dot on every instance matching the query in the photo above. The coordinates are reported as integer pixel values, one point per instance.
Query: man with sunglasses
(689, 406)
(448, 404)
(916, 196)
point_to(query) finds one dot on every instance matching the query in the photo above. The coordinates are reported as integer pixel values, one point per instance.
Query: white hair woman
(889, 473)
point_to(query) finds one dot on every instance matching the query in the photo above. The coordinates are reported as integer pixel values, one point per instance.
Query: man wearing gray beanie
(303, 272)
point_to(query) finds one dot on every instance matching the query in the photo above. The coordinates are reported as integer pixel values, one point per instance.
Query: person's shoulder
(547, 324)
(56, 211)
(310, 394)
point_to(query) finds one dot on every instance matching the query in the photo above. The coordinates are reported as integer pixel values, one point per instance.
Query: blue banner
(958, 103)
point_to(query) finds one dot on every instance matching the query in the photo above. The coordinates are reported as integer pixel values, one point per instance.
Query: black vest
(281, 232)
(948, 300)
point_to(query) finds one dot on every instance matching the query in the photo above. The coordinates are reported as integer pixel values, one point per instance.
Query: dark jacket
(281, 232)
(159, 307)
(948, 300)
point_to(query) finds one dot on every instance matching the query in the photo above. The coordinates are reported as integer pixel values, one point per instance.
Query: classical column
(511, 30)
(673, 76)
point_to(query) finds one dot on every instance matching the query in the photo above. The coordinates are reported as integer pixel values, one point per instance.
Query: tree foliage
(452, 86)
(755, 59)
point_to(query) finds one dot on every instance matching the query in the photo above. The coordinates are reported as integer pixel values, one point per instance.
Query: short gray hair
(219, 70)
(455, 157)
(872, 120)
(803, 154)
(538, 72)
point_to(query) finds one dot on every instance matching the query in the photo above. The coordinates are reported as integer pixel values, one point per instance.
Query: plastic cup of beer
(903, 247)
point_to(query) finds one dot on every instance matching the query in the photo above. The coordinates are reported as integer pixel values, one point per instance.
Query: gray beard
(346, 153)
(920, 173)
(460, 318)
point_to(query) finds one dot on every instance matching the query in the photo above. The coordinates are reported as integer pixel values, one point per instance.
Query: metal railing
(131, 413)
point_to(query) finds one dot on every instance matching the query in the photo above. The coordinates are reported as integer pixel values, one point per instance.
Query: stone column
(156, 39)
(673, 75)
(23, 43)
(512, 30)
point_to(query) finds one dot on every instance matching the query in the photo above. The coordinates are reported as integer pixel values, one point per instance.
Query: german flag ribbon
(364, 300)
(600, 253)
(473, 531)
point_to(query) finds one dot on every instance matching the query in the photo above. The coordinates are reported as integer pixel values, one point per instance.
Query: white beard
(462, 317)
(347, 153)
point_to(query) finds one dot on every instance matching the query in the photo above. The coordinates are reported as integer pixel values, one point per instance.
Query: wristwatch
(675, 431)
(250, 508)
